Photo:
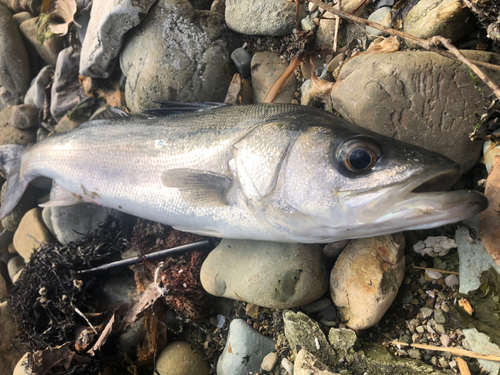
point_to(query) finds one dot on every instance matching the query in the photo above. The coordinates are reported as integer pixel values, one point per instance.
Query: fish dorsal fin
(61, 197)
(109, 112)
(173, 108)
(198, 186)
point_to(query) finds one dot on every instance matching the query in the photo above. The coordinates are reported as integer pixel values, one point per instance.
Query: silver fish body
(265, 172)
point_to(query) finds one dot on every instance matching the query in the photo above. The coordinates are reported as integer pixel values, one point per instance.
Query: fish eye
(358, 156)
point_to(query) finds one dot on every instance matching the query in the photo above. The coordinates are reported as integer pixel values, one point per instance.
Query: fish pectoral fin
(201, 232)
(198, 186)
(61, 197)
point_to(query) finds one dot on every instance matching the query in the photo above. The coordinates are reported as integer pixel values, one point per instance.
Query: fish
(271, 172)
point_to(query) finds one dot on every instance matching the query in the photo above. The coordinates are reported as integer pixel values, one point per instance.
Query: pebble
(269, 274)
(31, 233)
(110, 20)
(8, 353)
(181, 358)
(308, 24)
(414, 353)
(270, 17)
(36, 93)
(335, 63)
(451, 280)
(363, 298)
(439, 328)
(14, 265)
(269, 362)
(443, 362)
(307, 364)
(304, 333)
(244, 351)
(426, 312)
(188, 57)
(24, 116)
(439, 316)
(50, 48)
(330, 313)
(66, 86)
(317, 306)
(287, 365)
(435, 246)
(266, 68)
(381, 16)
(15, 72)
(444, 128)
(342, 340)
(445, 339)
(242, 61)
(420, 329)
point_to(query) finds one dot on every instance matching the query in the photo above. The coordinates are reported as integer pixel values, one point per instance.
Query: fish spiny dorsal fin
(10, 161)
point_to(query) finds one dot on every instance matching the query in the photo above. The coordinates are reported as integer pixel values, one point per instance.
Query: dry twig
(462, 366)
(454, 351)
(275, 88)
(435, 269)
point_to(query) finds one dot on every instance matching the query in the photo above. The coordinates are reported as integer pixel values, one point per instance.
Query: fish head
(350, 183)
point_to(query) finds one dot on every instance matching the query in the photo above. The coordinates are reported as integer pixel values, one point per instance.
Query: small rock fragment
(439, 316)
(414, 353)
(307, 364)
(181, 358)
(451, 280)
(435, 246)
(287, 365)
(381, 16)
(242, 61)
(36, 93)
(24, 116)
(269, 362)
(342, 340)
(31, 233)
(244, 351)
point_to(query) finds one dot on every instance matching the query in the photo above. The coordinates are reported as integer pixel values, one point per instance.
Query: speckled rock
(27, 202)
(15, 71)
(447, 18)
(66, 87)
(271, 17)
(366, 279)
(36, 93)
(308, 364)
(188, 57)
(342, 340)
(402, 98)
(244, 351)
(31, 233)
(269, 274)
(180, 358)
(109, 22)
(9, 356)
(266, 69)
(49, 49)
(304, 333)
(11, 135)
(24, 116)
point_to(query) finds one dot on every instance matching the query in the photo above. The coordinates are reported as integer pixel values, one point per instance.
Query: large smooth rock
(36, 93)
(244, 351)
(66, 87)
(266, 69)
(304, 333)
(366, 278)
(31, 233)
(14, 63)
(188, 57)
(11, 135)
(180, 358)
(269, 274)
(271, 17)
(49, 49)
(109, 22)
(447, 18)
(400, 96)
(9, 356)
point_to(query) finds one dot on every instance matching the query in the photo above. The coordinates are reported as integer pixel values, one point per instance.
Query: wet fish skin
(263, 172)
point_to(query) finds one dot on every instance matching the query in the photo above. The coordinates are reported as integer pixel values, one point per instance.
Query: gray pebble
(378, 16)
(439, 316)
(242, 61)
(414, 353)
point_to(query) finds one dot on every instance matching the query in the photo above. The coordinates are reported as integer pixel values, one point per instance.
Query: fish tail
(11, 157)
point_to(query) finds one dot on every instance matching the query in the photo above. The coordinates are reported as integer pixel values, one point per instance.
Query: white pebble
(287, 365)
(220, 321)
(433, 274)
(451, 280)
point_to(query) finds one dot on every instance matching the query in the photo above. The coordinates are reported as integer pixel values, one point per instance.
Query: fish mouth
(423, 204)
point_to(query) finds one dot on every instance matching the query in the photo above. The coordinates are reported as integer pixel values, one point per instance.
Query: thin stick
(421, 42)
(84, 317)
(275, 88)
(454, 351)
(462, 366)
(435, 269)
(337, 26)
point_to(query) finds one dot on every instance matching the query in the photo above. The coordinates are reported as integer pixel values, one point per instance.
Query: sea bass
(283, 173)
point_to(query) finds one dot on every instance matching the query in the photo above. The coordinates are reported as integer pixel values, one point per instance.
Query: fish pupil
(360, 159)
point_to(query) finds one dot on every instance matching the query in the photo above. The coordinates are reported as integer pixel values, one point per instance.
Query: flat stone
(308, 364)
(36, 93)
(244, 351)
(434, 111)
(381, 16)
(271, 17)
(270, 274)
(31, 233)
(66, 87)
(269, 362)
(24, 116)
(474, 258)
(480, 343)
(15, 265)
(9, 356)
(304, 333)
(110, 20)
(181, 358)
(188, 57)
(366, 278)
(15, 72)
(242, 60)
(266, 69)
(27, 202)
(447, 18)
(50, 48)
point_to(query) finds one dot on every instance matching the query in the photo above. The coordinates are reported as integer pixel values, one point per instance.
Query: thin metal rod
(156, 255)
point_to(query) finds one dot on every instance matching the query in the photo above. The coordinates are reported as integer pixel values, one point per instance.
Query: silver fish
(281, 173)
